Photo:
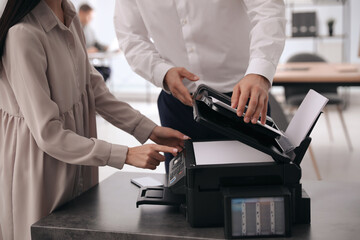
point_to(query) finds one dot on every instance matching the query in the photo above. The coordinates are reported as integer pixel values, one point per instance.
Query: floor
(335, 161)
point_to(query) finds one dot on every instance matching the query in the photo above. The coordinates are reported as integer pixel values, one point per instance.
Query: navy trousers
(174, 114)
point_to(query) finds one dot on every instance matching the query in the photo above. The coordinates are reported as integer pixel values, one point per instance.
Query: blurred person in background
(86, 15)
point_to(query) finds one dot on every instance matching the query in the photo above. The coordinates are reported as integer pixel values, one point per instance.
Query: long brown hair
(14, 11)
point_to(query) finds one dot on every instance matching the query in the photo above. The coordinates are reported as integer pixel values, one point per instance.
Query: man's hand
(169, 137)
(174, 81)
(256, 88)
(148, 156)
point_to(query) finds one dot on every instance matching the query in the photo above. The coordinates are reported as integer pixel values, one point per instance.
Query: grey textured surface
(108, 211)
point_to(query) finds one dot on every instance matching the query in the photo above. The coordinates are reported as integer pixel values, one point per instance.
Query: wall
(354, 31)
(331, 48)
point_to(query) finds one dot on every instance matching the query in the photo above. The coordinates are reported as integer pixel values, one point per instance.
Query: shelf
(343, 36)
(313, 2)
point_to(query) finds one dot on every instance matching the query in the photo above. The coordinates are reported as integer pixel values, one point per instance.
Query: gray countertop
(108, 211)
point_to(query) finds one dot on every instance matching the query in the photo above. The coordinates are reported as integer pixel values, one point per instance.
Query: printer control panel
(177, 173)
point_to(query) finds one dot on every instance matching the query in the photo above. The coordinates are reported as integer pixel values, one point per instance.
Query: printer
(248, 182)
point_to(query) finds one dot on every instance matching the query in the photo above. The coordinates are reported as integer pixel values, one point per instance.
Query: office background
(335, 160)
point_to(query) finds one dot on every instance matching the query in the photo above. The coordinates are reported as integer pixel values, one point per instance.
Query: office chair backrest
(307, 57)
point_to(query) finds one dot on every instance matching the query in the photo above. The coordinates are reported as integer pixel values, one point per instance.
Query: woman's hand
(148, 156)
(169, 137)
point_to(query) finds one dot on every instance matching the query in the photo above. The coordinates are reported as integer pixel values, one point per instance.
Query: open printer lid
(212, 109)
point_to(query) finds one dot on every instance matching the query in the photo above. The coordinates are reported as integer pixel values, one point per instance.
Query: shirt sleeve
(25, 65)
(267, 35)
(118, 113)
(134, 41)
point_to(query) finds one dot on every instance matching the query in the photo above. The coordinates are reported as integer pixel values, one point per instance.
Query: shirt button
(184, 22)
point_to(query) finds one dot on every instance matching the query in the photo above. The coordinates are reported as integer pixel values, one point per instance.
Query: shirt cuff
(117, 157)
(159, 74)
(261, 67)
(144, 129)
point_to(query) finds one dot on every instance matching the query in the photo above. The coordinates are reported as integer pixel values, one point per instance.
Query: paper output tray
(247, 133)
(159, 196)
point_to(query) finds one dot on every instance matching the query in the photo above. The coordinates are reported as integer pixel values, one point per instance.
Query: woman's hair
(14, 11)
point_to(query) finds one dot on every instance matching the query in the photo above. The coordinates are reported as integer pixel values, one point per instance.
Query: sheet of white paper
(227, 152)
(305, 117)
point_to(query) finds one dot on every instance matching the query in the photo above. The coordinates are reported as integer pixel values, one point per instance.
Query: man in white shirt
(230, 45)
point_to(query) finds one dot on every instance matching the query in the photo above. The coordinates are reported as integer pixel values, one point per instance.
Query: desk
(338, 74)
(102, 61)
(107, 211)
(102, 58)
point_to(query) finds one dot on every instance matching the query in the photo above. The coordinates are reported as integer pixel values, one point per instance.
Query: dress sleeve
(134, 41)
(25, 65)
(118, 113)
(267, 35)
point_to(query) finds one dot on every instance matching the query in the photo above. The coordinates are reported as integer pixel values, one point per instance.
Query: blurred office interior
(334, 159)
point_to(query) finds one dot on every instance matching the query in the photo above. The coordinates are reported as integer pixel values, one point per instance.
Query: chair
(279, 117)
(295, 95)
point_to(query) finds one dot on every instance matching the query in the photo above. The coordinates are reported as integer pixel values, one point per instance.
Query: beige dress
(49, 94)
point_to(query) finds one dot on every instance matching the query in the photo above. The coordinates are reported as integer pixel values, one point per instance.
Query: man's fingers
(181, 93)
(264, 111)
(244, 96)
(185, 73)
(252, 106)
(174, 81)
(259, 109)
(235, 97)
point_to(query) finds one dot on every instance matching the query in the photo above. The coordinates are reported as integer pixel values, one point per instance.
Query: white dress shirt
(221, 41)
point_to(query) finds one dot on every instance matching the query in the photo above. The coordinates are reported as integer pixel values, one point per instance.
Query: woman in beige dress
(49, 94)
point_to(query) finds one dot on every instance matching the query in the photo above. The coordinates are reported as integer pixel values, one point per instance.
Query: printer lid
(211, 108)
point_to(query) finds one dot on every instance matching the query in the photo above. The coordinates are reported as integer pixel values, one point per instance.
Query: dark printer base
(211, 214)
(205, 206)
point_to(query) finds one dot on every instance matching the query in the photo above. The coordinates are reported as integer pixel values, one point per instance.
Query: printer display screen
(258, 216)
